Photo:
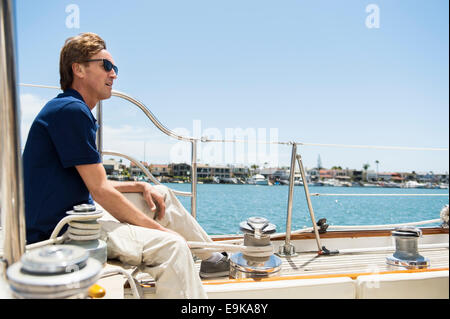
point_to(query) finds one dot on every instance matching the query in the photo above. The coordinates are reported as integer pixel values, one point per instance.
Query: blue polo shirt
(62, 136)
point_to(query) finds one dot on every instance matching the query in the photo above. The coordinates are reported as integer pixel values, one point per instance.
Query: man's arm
(103, 192)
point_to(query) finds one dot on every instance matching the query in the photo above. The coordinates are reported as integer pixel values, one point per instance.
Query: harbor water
(221, 207)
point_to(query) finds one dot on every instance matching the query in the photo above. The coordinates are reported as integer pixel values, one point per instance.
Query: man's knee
(171, 248)
(179, 243)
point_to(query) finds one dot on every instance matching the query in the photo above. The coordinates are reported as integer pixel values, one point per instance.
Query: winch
(56, 271)
(84, 230)
(406, 253)
(257, 232)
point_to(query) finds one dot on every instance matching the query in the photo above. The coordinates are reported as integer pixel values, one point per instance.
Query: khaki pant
(164, 256)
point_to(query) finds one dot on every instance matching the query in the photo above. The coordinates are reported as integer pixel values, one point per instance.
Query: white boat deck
(343, 269)
(339, 269)
(311, 276)
(310, 265)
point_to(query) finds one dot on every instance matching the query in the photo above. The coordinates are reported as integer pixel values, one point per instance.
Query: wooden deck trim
(348, 234)
(350, 275)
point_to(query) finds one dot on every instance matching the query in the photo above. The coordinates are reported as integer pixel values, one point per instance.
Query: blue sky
(312, 70)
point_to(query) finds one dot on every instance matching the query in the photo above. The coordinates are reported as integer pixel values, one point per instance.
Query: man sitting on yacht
(63, 168)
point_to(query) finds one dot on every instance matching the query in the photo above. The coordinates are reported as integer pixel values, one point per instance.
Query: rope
(81, 226)
(361, 227)
(117, 271)
(404, 148)
(207, 140)
(53, 241)
(431, 221)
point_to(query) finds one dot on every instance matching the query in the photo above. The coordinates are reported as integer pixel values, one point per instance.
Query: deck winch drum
(406, 253)
(86, 233)
(55, 271)
(257, 232)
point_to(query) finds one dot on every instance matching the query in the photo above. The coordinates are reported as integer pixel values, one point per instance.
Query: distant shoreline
(329, 182)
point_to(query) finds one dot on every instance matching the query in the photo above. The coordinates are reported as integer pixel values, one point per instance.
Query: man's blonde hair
(77, 49)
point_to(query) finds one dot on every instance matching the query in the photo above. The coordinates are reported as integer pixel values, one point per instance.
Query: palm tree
(366, 167)
(377, 162)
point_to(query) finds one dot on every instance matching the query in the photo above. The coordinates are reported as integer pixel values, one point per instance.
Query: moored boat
(257, 179)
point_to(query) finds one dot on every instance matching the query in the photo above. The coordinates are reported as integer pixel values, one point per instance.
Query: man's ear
(78, 70)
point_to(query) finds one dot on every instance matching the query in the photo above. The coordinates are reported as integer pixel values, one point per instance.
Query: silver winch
(84, 231)
(55, 271)
(257, 232)
(406, 253)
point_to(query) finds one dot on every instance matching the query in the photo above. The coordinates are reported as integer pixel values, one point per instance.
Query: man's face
(98, 81)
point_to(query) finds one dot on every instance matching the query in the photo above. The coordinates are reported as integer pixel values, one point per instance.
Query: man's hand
(153, 198)
(108, 195)
(155, 201)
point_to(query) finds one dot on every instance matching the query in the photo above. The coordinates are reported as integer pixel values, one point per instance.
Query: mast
(12, 198)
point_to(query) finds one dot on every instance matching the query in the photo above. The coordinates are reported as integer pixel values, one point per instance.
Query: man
(63, 168)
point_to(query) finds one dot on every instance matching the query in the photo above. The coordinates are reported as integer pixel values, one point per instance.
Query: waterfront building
(160, 169)
(112, 167)
(208, 171)
(430, 177)
(356, 175)
(282, 174)
(442, 178)
(268, 173)
(203, 170)
(326, 174)
(341, 175)
(135, 170)
(390, 177)
(314, 174)
(221, 171)
(180, 169)
(371, 176)
(396, 177)
(240, 171)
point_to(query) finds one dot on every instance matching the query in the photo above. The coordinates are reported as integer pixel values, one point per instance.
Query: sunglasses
(107, 65)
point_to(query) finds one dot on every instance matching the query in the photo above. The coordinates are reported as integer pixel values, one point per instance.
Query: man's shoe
(219, 268)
